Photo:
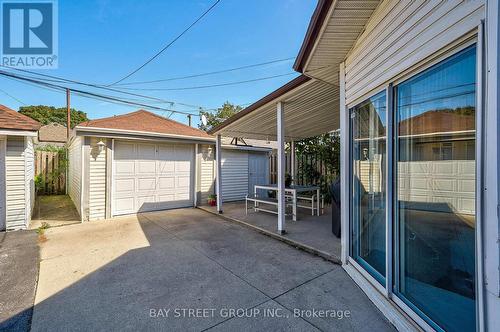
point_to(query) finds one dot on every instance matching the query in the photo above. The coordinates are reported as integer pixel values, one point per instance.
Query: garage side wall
(15, 183)
(206, 166)
(75, 172)
(29, 181)
(97, 181)
(234, 175)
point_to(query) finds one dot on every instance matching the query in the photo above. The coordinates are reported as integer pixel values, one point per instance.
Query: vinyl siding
(29, 178)
(401, 34)
(75, 172)
(97, 181)
(234, 175)
(206, 166)
(15, 183)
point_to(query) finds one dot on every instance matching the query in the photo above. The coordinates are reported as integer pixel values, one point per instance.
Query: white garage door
(148, 177)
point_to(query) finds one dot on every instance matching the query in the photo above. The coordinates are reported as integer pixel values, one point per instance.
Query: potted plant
(212, 200)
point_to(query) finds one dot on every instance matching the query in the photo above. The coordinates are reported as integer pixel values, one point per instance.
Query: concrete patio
(119, 274)
(311, 231)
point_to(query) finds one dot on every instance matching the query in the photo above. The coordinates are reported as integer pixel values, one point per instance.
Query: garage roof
(145, 122)
(12, 120)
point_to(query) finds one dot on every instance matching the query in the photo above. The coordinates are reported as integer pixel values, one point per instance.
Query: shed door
(258, 167)
(150, 177)
(2, 185)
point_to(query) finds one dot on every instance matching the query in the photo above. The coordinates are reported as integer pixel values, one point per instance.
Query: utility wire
(211, 85)
(168, 45)
(11, 96)
(59, 79)
(207, 73)
(88, 94)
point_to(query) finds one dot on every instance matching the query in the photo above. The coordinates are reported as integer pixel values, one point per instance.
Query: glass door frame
(473, 38)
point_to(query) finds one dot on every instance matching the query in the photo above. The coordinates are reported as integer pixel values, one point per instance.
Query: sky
(100, 41)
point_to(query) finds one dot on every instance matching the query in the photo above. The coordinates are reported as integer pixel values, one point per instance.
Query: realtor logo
(29, 33)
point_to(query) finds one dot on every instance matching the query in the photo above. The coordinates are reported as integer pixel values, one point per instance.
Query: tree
(213, 119)
(50, 114)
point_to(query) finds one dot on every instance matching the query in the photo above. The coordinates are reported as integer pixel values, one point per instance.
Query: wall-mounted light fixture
(101, 146)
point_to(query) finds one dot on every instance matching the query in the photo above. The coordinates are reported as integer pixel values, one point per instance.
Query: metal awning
(311, 107)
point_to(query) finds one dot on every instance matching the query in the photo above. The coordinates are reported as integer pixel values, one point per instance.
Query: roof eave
(276, 94)
(137, 132)
(318, 18)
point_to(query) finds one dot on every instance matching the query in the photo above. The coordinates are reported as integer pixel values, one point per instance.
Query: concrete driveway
(188, 270)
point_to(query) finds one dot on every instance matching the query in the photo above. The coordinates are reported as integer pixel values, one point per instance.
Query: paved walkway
(19, 257)
(189, 270)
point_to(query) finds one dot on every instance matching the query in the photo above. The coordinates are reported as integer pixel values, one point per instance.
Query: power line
(207, 73)
(11, 96)
(168, 45)
(211, 85)
(88, 94)
(59, 79)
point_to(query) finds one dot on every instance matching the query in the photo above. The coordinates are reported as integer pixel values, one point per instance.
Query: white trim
(344, 170)
(111, 186)
(82, 180)
(8, 132)
(196, 170)
(479, 178)
(218, 170)
(3, 185)
(246, 148)
(137, 132)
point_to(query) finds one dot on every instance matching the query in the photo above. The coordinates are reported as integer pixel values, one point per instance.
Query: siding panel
(15, 183)
(75, 172)
(97, 181)
(234, 175)
(207, 172)
(403, 34)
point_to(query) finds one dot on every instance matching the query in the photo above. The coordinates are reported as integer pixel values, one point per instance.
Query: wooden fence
(51, 167)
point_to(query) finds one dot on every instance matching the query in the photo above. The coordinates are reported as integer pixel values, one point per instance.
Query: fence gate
(50, 166)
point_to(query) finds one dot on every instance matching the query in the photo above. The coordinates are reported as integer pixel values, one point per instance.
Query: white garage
(138, 162)
(148, 176)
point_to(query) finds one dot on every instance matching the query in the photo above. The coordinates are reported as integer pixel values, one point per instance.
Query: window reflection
(369, 183)
(436, 191)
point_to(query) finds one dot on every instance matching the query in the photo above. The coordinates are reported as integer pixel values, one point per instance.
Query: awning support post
(218, 176)
(293, 169)
(281, 166)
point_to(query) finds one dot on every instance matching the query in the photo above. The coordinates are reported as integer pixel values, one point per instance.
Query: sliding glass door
(368, 123)
(432, 203)
(435, 204)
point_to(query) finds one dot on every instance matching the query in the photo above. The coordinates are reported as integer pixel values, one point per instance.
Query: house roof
(53, 132)
(12, 120)
(438, 121)
(276, 94)
(146, 122)
(318, 18)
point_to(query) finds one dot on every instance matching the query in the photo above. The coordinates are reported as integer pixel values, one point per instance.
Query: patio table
(293, 190)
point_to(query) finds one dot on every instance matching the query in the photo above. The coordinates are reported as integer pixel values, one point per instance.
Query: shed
(17, 187)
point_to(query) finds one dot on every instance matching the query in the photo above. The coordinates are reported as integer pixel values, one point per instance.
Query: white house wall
(234, 175)
(29, 180)
(97, 181)
(206, 173)
(15, 183)
(75, 172)
(402, 33)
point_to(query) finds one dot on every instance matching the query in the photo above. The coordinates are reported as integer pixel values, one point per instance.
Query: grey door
(258, 170)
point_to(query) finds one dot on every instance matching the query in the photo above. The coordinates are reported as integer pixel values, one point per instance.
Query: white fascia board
(29, 133)
(246, 148)
(137, 132)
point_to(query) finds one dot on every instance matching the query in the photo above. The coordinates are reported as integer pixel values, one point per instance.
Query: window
(368, 124)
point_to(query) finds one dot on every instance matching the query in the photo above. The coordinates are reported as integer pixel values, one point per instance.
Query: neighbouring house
(413, 88)
(17, 188)
(141, 161)
(54, 134)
